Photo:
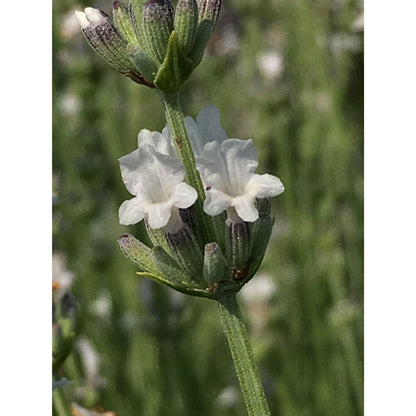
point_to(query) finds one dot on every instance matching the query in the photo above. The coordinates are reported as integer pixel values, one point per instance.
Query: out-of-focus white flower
(358, 24)
(257, 296)
(69, 26)
(270, 64)
(154, 174)
(60, 274)
(227, 169)
(228, 397)
(91, 362)
(69, 104)
(102, 306)
(260, 289)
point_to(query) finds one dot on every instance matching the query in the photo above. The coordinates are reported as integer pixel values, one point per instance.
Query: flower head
(227, 169)
(149, 42)
(155, 176)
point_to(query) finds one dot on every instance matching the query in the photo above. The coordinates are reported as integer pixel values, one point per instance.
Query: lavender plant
(206, 211)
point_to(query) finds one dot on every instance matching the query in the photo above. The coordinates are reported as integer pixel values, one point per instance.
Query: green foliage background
(161, 353)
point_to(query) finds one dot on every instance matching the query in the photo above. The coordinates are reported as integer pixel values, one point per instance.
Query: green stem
(247, 372)
(176, 124)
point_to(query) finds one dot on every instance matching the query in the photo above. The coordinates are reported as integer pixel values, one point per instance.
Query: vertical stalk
(247, 372)
(176, 124)
(210, 226)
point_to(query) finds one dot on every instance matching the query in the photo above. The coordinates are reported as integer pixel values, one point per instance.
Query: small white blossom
(90, 17)
(154, 174)
(227, 169)
(270, 64)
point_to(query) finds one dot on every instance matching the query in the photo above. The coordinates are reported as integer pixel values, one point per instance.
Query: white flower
(270, 64)
(206, 128)
(154, 174)
(227, 168)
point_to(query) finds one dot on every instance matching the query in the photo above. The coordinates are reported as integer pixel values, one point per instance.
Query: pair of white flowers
(154, 174)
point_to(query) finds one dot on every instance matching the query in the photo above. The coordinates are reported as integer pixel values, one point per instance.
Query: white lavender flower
(154, 174)
(227, 169)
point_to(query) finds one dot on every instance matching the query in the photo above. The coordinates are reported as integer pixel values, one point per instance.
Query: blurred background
(289, 75)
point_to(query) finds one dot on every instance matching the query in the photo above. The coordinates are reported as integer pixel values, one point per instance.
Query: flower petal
(130, 166)
(263, 186)
(246, 209)
(209, 123)
(160, 142)
(216, 202)
(158, 215)
(207, 128)
(184, 196)
(131, 211)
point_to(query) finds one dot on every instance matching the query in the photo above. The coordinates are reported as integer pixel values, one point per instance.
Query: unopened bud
(264, 206)
(186, 21)
(158, 16)
(215, 266)
(238, 246)
(136, 10)
(104, 37)
(186, 251)
(108, 42)
(190, 218)
(261, 232)
(124, 21)
(209, 10)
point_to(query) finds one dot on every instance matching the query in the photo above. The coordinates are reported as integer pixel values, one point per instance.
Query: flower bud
(215, 268)
(238, 247)
(189, 218)
(186, 21)
(186, 251)
(136, 10)
(158, 16)
(124, 21)
(209, 10)
(108, 42)
(261, 232)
